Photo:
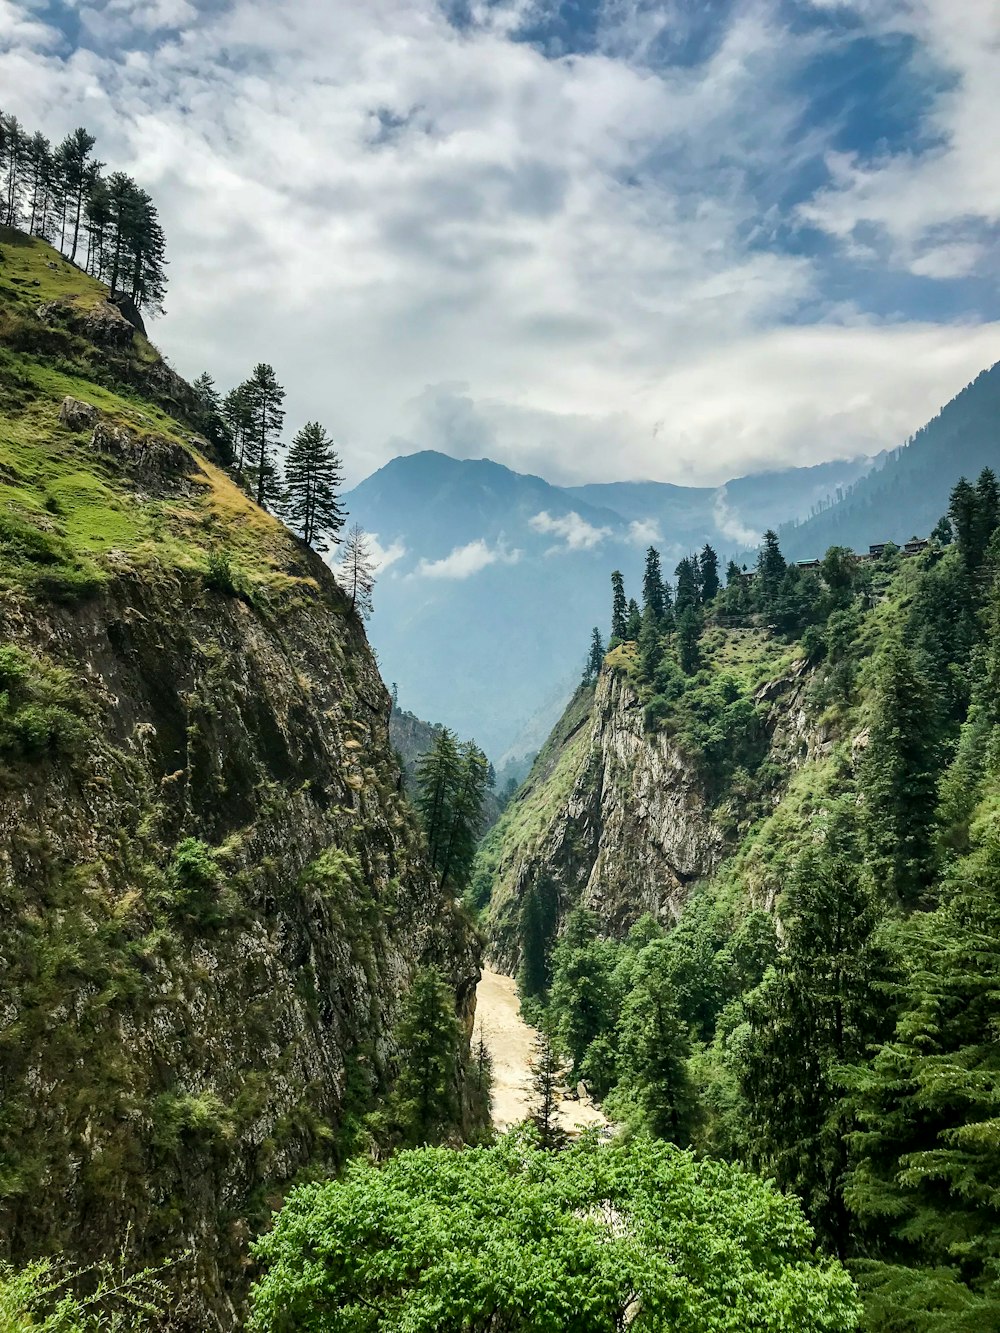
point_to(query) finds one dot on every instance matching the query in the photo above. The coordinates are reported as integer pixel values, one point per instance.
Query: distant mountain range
(493, 579)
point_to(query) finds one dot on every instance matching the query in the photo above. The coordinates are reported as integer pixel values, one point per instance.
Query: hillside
(752, 885)
(908, 492)
(496, 579)
(214, 892)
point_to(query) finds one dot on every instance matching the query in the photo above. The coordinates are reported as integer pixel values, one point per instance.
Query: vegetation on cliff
(839, 722)
(215, 894)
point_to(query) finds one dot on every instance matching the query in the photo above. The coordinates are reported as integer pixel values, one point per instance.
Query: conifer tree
(451, 790)
(264, 398)
(708, 570)
(633, 624)
(650, 644)
(962, 513)
(356, 571)
(927, 1157)
(652, 586)
(313, 478)
(536, 928)
(688, 634)
(426, 1090)
(734, 575)
(898, 776)
(581, 999)
(686, 596)
(619, 607)
(75, 152)
(547, 1073)
(595, 658)
(653, 1050)
(820, 1010)
(238, 416)
(770, 570)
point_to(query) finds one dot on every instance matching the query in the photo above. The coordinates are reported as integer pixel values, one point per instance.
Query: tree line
(304, 488)
(107, 224)
(845, 1045)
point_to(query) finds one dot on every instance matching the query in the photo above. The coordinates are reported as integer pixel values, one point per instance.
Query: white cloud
(729, 522)
(643, 531)
(384, 556)
(576, 533)
(911, 197)
(376, 202)
(464, 561)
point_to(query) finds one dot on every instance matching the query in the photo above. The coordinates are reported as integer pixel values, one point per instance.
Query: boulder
(160, 464)
(78, 415)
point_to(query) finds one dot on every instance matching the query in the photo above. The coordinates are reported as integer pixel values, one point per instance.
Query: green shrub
(42, 1298)
(221, 575)
(195, 890)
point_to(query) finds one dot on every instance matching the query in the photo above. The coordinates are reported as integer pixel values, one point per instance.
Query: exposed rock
(129, 309)
(78, 415)
(156, 461)
(102, 324)
(633, 828)
(168, 1080)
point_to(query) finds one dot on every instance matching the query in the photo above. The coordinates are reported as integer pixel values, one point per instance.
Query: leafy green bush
(194, 889)
(41, 711)
(42, 1299)
(580, 1241)
(221, 574)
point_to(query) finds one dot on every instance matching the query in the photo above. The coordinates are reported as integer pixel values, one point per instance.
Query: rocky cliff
(212, 889)
(622, 818)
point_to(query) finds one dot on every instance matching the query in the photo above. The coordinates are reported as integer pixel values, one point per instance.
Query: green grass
(64, 508)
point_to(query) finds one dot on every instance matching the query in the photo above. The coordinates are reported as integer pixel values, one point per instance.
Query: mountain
(214, 894)
(907, 492)
(494, 579)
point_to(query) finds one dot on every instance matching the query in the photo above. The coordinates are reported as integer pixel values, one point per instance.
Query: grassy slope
(63, 508)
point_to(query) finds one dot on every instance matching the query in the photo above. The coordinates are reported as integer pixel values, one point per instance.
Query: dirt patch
(511, 1043)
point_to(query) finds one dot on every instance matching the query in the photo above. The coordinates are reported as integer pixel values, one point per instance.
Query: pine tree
(536, 929)
(650, 644)
(581, 999)
(264, 399)
(595, 658)
(75, 154)
(688, 634)
(708, 570)
(313, 478)
(734, 575)
(686, 596)
(898, 777)
(770, 569)
(547, 1073)
(633, 625)
(451, 792)
(654, 1048)
(619, 607)
(962, 511)
(238, 416)
(428, 1035)
(928, 1154)
(819, 1011)
(356, 572)
(652, 586)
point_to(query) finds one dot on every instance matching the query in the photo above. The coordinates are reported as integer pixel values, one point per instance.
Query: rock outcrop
(617, 818)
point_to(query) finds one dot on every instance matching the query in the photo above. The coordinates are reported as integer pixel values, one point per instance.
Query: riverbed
(511, 1043)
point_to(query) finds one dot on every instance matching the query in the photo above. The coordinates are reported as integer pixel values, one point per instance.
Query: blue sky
(595, 239)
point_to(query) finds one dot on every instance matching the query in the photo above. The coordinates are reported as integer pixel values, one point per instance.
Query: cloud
(464, 561)
(729, 523)
(643, 531)
(589, 266)
(384, 556)
(577, 534)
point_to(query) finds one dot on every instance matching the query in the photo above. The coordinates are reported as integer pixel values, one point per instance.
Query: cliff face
(212, 891)
(619, 819)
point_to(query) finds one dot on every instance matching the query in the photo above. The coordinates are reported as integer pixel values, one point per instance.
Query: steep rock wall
(618, 819)
(172, 1051)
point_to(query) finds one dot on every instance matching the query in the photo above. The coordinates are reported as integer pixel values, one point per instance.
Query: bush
(194, 890)
(221, 575)
(586, 1240)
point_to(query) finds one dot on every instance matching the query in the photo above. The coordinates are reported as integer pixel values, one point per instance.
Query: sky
(594, 240)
